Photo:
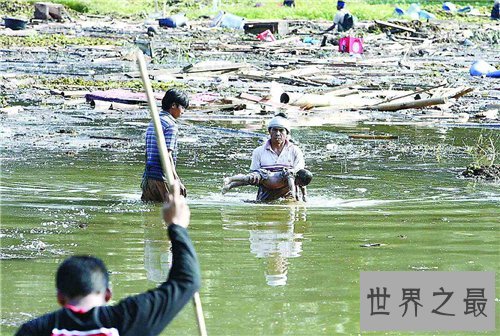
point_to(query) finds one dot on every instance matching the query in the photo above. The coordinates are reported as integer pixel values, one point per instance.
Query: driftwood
(253, 98)
(191, 68)
(392, 25)
(410, 104)
(410, 38)
(305, 100)
(282, 79)
(415, 92)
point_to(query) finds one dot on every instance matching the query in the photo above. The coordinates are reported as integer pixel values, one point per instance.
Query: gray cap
(279, 122)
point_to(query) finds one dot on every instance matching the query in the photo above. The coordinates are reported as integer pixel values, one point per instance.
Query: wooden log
(410, 38)
(250, 97)
(414, 93)
(305, 100)
(410, 104)
(392, 25)
(342, 92)
(462, 92)
(298, 81)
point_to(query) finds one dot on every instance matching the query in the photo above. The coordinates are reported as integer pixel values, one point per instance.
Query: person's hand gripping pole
(168, 171)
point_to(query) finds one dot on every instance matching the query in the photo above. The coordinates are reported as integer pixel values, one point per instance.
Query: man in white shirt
(276, 154)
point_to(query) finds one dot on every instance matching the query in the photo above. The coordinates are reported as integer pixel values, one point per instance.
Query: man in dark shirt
(83, 289)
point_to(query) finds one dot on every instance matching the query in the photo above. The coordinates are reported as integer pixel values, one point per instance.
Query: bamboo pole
(167, 166)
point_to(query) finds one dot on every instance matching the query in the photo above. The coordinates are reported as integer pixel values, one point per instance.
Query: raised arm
(155, 309)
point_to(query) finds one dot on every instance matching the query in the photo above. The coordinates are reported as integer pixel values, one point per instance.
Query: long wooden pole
(409, 104)
(166, 165)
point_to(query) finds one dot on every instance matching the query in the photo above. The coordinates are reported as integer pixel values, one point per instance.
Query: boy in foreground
(82, 284)
(272, 180)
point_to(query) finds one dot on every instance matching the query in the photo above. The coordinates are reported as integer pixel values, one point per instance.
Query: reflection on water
(157, 252)
(275, 240)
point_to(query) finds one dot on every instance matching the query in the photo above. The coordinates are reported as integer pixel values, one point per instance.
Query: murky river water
(276, 269)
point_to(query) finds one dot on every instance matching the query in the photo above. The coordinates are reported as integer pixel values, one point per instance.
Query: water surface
(279, 269)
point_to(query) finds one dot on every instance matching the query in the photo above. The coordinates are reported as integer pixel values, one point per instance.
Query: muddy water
(276, 269)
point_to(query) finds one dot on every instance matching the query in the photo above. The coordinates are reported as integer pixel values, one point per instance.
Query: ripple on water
(248, 199)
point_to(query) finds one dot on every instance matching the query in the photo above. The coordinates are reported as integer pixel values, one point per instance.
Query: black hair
(82, 275)
(303, 177)
(174, 96)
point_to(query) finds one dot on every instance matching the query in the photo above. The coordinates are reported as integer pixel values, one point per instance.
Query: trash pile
(240, 70)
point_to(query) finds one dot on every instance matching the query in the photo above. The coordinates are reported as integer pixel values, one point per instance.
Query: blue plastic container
(466, 9)
(493, 74)
(481, 68)
(399, 11)
(173, 21)
(449, 7)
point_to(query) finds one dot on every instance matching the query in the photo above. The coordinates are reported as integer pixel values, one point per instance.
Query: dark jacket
(143, 314)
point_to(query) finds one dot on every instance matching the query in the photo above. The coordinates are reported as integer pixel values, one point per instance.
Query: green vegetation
(250, 9)
(54, 40)
(15, 8)
(3, 101)
(316, 10)
(122, 8)
(484, 152)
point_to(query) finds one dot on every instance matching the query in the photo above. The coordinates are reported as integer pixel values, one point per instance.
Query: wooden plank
(279, 27)
(192, 68)
(392, 25)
